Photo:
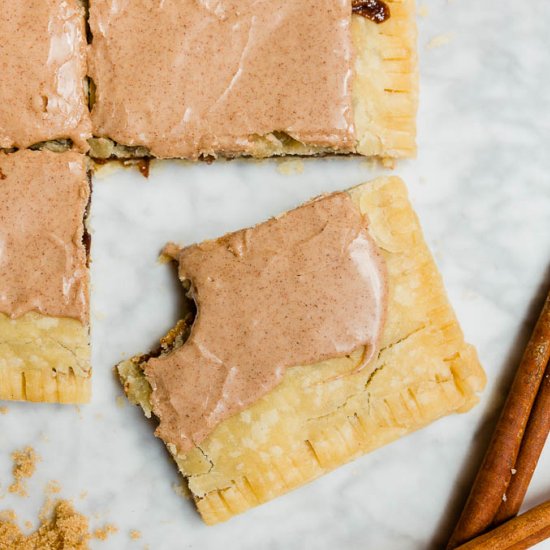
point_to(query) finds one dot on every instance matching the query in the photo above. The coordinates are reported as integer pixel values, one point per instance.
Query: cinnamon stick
(521, 532)
(533, 442)
(496, 469)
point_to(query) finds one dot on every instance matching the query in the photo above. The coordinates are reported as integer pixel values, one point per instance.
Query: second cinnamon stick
(496, 469)
(517, 534)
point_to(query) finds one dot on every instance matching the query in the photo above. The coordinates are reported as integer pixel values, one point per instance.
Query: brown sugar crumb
(47, 510)
(103, 532)
(4, 410)
(135, 534)
(24, 466)
(53, 487)
(8, 516)
(65, 529)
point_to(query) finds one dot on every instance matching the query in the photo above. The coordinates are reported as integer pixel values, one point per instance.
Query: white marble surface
(481, 185)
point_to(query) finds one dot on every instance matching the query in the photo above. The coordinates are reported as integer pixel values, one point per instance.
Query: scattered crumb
(28, 525)
(440, 40)
(388, 163)
(78, 411)
(24, 466)
(181, 489)
(290, 167)
(423, 10)
(44, 437)
(4, 410)
(135, 534)
(83, 495)
(65, 529)
(53, 487)
(120, 401)
(504, 497)
(514, 471)
(103, 532)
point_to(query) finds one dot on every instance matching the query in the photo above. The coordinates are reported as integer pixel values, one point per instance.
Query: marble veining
(481, 186)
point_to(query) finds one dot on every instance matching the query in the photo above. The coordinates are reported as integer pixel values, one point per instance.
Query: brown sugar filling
(375, 10)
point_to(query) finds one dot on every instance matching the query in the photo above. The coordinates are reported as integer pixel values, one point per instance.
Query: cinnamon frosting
(298, 289)
(192, 77)
(43, 197)
(42, 73)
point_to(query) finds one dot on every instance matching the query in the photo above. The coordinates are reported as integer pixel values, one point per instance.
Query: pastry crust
(44, 359)
(384, 96)
(324, 415)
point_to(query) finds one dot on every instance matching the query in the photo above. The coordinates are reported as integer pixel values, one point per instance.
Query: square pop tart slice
(260, 78)
(318, 336)
(44, 325)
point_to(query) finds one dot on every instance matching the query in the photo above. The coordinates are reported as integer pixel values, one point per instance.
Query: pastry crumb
(290, 167)
(28, 525)
(65, 529)
(120, 401)
(24, 466)
(514, 471)
(103, 532)
(440, 40)
(135, 534)
(83, 495)
(4, 410)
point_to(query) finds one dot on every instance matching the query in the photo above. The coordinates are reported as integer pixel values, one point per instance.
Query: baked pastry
(43, 90)
(392, 360)
(44, 341)
(200, 79)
